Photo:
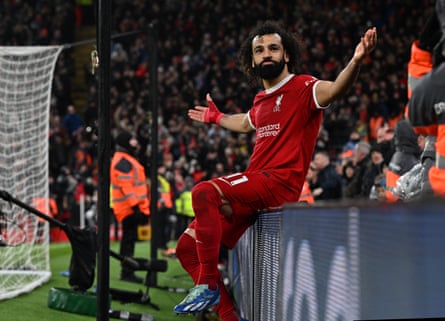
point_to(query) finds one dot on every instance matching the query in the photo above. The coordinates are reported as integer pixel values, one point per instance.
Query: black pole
(153, 69)
(9, 198)
(104, 156)
(94, 40)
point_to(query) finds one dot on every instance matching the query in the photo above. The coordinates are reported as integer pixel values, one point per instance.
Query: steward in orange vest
(426, 108)
(421, 59)
(129, 195)
(420, 63)
(129, 185)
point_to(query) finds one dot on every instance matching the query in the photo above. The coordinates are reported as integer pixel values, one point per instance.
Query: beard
(269, 71)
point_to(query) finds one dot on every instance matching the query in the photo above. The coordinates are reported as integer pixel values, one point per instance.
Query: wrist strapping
(212, 114)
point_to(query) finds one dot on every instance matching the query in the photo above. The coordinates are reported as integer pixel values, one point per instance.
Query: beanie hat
(123, 140)
(376, 147)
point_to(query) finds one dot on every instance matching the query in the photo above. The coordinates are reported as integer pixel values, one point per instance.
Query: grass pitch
(34, 305)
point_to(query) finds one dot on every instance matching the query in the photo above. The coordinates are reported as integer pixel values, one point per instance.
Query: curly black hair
(291, 44)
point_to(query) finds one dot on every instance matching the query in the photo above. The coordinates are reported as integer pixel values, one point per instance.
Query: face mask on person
(129, 143)
(270, 71)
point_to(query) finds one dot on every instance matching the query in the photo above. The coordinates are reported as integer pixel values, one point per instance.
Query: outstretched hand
(204, 114)
(366, 44)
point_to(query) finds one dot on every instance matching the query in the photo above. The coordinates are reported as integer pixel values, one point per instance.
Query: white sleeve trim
(250, 121)
(315, 97)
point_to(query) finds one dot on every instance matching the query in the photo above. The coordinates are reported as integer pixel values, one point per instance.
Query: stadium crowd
(197, 55)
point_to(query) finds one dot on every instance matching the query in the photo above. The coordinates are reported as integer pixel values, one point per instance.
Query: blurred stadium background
(357, 261)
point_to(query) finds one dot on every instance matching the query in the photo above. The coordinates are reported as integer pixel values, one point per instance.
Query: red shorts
(248, 194)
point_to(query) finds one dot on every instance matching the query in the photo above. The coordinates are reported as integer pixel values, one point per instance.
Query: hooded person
(407, 154)
(126, 142)
(426, 108)
(361, 159)
(129, 197)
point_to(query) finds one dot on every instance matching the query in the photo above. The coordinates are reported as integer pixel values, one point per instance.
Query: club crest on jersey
(278, 103)
(308, 82)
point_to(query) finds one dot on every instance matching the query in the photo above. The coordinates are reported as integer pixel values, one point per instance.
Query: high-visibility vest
(306, 194)
(165, 193)
(128, 188)
(47, 206)
(184, 204)
(420, 63)
(391, 183)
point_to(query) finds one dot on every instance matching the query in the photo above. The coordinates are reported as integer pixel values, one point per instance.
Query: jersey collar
(279, 85)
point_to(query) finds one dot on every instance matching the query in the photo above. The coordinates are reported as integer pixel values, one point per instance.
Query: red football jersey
(287, 120)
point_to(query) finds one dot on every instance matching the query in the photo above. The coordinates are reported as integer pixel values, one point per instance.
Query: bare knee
(226, 210)
(191, 232)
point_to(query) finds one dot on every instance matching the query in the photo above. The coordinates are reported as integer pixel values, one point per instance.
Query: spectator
(407, 155)
(378, 190)
(165, 206)
(58, 154)
(354, 138)
(73, 123)
(360, 160)
(184, 209)
(329, 184)
(385, 137)
(376, 167)
(340, 125)
(311, 176)
(348, 171)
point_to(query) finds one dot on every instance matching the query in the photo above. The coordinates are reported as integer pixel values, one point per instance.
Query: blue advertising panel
(366, 262)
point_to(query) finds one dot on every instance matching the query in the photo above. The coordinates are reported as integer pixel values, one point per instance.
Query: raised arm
(328, 91)
(212, 115)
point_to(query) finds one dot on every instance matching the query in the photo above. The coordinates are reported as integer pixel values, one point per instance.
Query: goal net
(26, 75)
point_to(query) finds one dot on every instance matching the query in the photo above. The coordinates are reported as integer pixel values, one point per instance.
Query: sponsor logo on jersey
(268, 130)
(439, 107)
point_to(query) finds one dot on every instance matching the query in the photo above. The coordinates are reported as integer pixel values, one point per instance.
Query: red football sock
(206, 203)
(187, 255)
(225, 309)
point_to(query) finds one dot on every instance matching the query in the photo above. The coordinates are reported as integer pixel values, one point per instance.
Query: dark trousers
(129, 237)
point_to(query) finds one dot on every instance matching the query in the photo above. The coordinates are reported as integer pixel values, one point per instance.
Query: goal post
(26, 77)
